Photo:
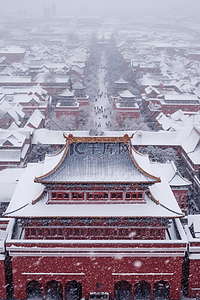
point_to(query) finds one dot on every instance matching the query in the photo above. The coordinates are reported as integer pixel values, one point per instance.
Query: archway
(53, 290)
(34, 290)
(161, 290)
(123, 290)
(73, 290)
(142, 290)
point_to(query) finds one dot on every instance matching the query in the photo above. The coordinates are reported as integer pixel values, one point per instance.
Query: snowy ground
(102, 107)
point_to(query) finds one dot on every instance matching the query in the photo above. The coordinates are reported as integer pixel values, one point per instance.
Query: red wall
(194, 278)
(2, 281)
(97, 270)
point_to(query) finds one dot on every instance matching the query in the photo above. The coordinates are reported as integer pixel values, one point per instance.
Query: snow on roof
(150, 89)
(9, 155)
(164, 121)
(48, 137)
(121, 81)
(192, 141)
(162, 192)
(13, 126)
(35, 119)
(179, 115)
(15, 79)
(173, 176)
(25, 150)
(142, 161)
(77, 69)
(15, 138)
(99, 162)
(197, 228)
(195, 155)
(67, 93)
(27, 190)
(147, 80)
(182, 97)
(78, 86)
(8, 181)
(23, 90)
(127, 94)
(195, 220)
(160, 137)
(12, 50)
(179, 120)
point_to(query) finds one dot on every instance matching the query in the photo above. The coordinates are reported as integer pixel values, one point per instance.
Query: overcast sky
(100, 6)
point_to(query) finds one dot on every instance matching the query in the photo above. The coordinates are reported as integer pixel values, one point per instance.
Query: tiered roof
(84, 160)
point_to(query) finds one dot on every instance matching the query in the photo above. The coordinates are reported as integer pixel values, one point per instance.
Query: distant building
(46, 12)
(13, 54)
(14, 148)
(53, 10)
(67, 105)
(125, 106)
(120, 85)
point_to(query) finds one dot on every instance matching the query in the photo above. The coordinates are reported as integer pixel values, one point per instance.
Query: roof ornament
(126, 139)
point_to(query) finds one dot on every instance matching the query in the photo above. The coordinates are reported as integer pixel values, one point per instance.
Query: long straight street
(101, 113)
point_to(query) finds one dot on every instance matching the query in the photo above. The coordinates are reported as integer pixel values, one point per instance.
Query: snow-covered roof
(25, 98)
(35, 119)
(191, 141)
(22, 204)
(8, 181)
(179, 120)
(97, 162)
(121, 81)
(162, 192)
(150, 89)
(195, 155)
(9, 155)
(12, 50)
(23, 90)
(15, 79)
(160, 137)
(78, 86)
(48, 137)
(182, 97)
(13, 137)
(77, 69)
(127, 94)
(173, 176)
(67, 93)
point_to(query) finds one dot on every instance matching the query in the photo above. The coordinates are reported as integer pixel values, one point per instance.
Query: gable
(7, 143)
(33, 101)
(8, 116)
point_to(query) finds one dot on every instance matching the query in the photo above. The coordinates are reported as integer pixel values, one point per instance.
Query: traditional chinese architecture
(120, 85)
(177, 182)
(125, 106)
(79, 92)
(14, 147)
(192, 261)
(5, 262)
(95, 217)
(169, 103)
(67, 105)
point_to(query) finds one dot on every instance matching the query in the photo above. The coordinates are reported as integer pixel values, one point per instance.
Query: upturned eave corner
(157, 179)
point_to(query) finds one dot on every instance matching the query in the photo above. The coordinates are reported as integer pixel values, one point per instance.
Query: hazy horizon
(102, 7)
